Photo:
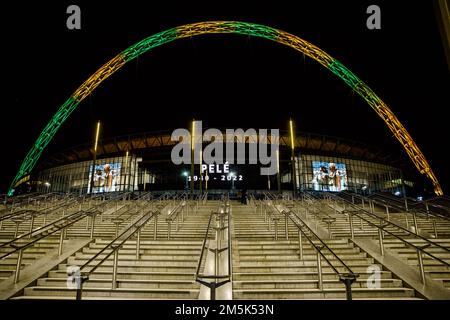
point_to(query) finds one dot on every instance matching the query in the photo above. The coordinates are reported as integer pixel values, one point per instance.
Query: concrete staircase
(433, 268)
(264, 268)
(8, 264)
(165, 268)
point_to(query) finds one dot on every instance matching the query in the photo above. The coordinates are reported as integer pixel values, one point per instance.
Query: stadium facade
(142, 162)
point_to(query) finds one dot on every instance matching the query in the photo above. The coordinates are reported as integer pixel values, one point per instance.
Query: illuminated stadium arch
(211, 27)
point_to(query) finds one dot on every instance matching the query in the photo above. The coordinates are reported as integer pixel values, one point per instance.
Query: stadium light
(291, 129)
(293, 175)
(97, 133)
(192, 156)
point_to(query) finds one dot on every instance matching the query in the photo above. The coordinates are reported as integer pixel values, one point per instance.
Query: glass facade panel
(109, 175)
(323, 173)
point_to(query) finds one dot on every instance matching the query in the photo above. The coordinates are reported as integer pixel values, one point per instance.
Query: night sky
(224, 80)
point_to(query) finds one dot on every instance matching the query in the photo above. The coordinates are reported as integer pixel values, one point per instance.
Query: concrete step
(135, 275)
(309, 284)
(119, 293)
(95, 282)
(326, 293)
(304, 275)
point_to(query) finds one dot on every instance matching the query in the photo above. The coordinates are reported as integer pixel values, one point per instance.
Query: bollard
(428, 210)
(18, 265)
(348, 280)
(361, 223)
(380, 238)
(87, 223)
(387, 213)
(138, 244)
(116, 260)
(407, 221)
(300, 245)
(319, 270)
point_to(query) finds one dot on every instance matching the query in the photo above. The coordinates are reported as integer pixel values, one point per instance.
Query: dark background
(224, 80)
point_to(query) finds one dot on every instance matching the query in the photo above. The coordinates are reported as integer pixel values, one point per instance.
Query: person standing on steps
(244, 196)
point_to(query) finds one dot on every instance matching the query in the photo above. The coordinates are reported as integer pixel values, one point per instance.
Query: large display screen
(329, 176)
(106, 177)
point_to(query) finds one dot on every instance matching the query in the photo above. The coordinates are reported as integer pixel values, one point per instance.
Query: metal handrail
(76, 217)
(346, 278)
(15, 214)
(317, 237)
(205, 238)
(43, 228)
(151, 213)
(382, 228)
(138, 225)
(397, 206)
(225, 277)
(129, 206)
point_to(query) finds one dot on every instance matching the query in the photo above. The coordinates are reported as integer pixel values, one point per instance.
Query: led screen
(106, 177)
(329, 176)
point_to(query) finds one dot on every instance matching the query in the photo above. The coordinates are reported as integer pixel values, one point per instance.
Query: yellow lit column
(192, 156)
(126, 173)
(200, 171)
(278, 172)
(294, 176)
(97, 134)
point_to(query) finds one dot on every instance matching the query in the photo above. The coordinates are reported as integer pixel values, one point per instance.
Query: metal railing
(382, 229)
(305, 231)
(373, 214)
(134, 228)
(269, 216)
(174, 215)
(29, 214)
(402, 205)
(217, 279)
(61, 225)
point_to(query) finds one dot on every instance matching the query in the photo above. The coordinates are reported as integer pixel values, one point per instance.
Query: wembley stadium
(213, 213)
(142, 162)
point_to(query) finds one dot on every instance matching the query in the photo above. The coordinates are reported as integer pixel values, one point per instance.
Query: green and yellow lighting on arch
(224, 27)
